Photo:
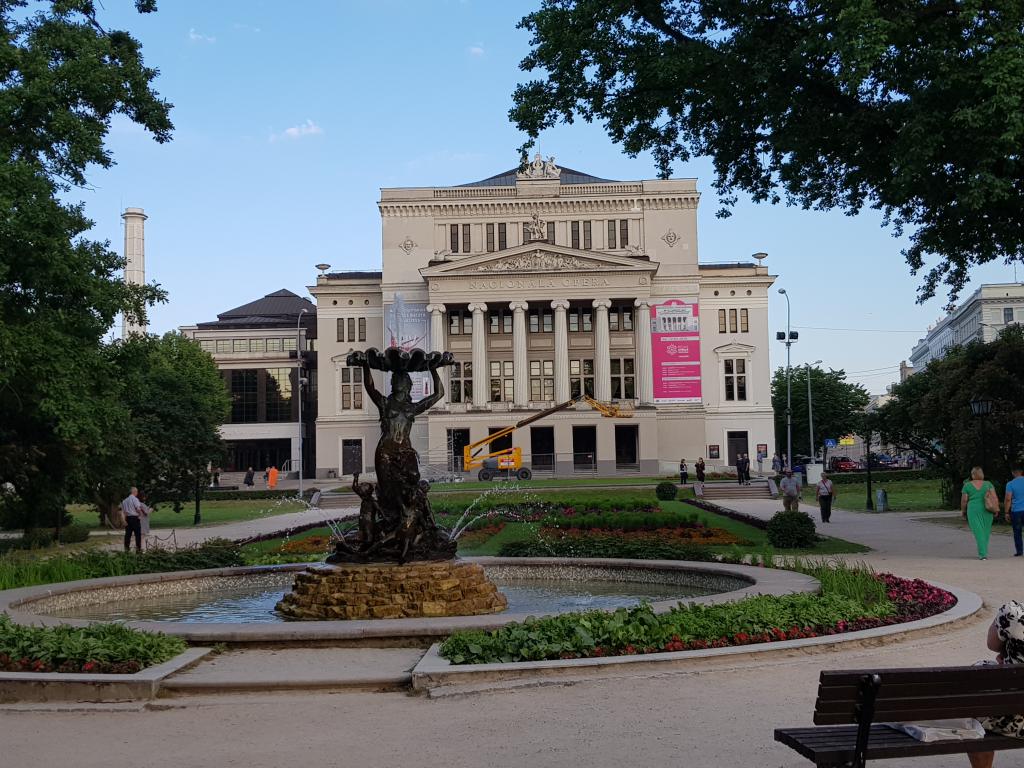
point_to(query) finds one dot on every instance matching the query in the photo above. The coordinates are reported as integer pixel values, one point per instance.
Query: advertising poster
(407, 326)
(675, 351)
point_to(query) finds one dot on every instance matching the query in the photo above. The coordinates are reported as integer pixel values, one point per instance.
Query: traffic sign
(846, 441)
(830, 442)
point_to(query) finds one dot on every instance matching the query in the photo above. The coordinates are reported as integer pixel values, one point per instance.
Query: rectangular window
(627, 319)
(542, 382)
(574, 321)
(613, 319)
(278, 394)
(462, 383)
(506, 321)
(351, 325)
(735, 379)
(581, 378)
(460, 322)
(588, 237)
(494, 318)
(551, 232)
(587, 320)
(541, 321)
(721, 321)
(362, 329)
(574, 234)
(243, 396)
(534, 321)
(274, 345)
(623, 233)
(240, 345)
(623, 378)
(341, 329)
(547, 321)
(502, 238)
(467, 246)
(351, 389)
(257, 345)
(611, 234)
(490, 238)
(223, 346)
(1007, 314)
(454, 231)
(744, 321)
(207, 345)
(732, 321)
(502, 381)
(288, 344)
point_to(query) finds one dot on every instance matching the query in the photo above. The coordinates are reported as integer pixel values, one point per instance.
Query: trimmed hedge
(211, 494)
(740, 517)
(666, 491)
(605, 546)
(791, 530)
(883, 475)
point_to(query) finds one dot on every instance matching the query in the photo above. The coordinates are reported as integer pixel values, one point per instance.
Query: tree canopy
(63, 77)
(837, 405)
(912, 107)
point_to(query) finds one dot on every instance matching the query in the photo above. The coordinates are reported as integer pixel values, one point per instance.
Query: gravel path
(722, 715)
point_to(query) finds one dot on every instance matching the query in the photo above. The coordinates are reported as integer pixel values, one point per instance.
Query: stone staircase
(758, 489)
(330, 500)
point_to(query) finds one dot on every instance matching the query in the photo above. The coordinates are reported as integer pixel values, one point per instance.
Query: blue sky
(290, 116)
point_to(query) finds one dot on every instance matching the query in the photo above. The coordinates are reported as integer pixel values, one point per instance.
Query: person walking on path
(133, 509)
(1014, 508)
(249, 474)
(684, 472)
(789, 486)
(699, 468)
(272, 478)
(825, 494)
(978, 504)
(776, 464)
(746, 469)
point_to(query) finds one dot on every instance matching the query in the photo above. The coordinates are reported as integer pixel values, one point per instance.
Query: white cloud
(308, 128)
(476, 50)
(199, 37)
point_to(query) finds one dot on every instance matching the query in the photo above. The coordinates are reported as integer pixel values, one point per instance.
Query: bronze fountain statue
(395, 520)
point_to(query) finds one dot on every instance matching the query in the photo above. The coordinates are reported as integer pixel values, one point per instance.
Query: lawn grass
(904, 495)
(214, 512)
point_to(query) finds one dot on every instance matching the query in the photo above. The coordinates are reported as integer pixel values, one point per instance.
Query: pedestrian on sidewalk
(132, 509)
(978, 504)
(776, 464)
(699, 467)
(739, 468)
(249, 475)
(746, 469)
(272, 478)
(761, 456)
(789, 486)
(1014, 508)
(825, 494)
(684, 472)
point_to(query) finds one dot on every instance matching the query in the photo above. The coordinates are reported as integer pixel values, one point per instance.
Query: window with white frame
(620, 319)
(581, 378)
(461, 385)
(735, 371)
(623, 378)
(542, 380)
(351, 384)
(580, 319)
(502, 381)
(1007, 315)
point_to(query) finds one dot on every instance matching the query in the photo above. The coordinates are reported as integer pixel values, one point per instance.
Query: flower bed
(695, 534)
(597, 544)
(639, 630)
(100, 648)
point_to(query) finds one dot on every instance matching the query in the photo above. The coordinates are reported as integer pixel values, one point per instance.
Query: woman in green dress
(972, 507)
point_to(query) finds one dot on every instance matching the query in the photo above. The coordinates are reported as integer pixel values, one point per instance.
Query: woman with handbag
(978, 505)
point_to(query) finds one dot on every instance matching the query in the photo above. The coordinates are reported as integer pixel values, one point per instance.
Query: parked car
(842, 464)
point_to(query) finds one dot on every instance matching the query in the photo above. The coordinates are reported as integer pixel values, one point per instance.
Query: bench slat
(1006, 674)
(920, 708)
(890, 690)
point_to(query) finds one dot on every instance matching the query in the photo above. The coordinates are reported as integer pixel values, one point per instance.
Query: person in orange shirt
(272, 479)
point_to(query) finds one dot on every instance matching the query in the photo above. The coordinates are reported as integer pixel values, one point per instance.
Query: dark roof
(278, 308)
(354, 275)
(567, 176)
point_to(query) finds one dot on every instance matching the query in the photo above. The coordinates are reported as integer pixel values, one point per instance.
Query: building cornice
(561, 206)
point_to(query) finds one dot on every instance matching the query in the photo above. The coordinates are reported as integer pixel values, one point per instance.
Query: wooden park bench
(854, 708)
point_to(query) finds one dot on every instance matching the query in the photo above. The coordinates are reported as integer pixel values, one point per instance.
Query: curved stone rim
(761, 581)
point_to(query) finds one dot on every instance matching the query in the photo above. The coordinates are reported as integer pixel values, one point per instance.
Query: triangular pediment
(536, 258)
(734, 348)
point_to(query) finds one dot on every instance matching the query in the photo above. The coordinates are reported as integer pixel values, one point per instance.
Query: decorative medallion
(407, 245)
(540, 168)
(671, 238)
(538, 261)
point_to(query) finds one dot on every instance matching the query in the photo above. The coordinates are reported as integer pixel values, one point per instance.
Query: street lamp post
(788, 338)
(981, 408)
(298, 384)
(810, 410)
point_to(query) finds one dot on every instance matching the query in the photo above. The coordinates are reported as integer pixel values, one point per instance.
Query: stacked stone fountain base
(386, 591)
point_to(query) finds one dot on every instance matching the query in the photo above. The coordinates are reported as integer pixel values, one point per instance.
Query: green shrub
(74, 533)
(883, 475)
(605, 546)
(622, 521)
(666, 491)
(37, 538)
(99, 643)
(791, 530)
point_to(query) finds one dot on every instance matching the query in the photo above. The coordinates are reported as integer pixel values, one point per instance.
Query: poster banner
(407, 326)
(675, 351)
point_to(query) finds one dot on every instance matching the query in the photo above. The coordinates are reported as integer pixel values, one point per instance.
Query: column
(602, 351)
(481, 390)
(520, 361)
(644, 360)
(561, 351)
(437, 314)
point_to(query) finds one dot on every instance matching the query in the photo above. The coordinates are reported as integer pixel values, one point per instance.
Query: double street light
(788, 338)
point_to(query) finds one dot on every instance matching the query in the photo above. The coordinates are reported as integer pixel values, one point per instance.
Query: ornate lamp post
(788, 338)
(981, 408)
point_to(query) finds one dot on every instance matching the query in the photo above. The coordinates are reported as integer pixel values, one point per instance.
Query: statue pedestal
(386, 591)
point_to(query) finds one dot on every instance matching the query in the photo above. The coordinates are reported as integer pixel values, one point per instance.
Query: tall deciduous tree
(62, 79)
(931, 411)
(908, 106)
(836, 403)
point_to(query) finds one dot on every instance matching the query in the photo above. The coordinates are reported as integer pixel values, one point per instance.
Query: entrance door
(457, 440)
(626, 445)
(542, 448)
(351, 456)
(584, 448)
(736, 444)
